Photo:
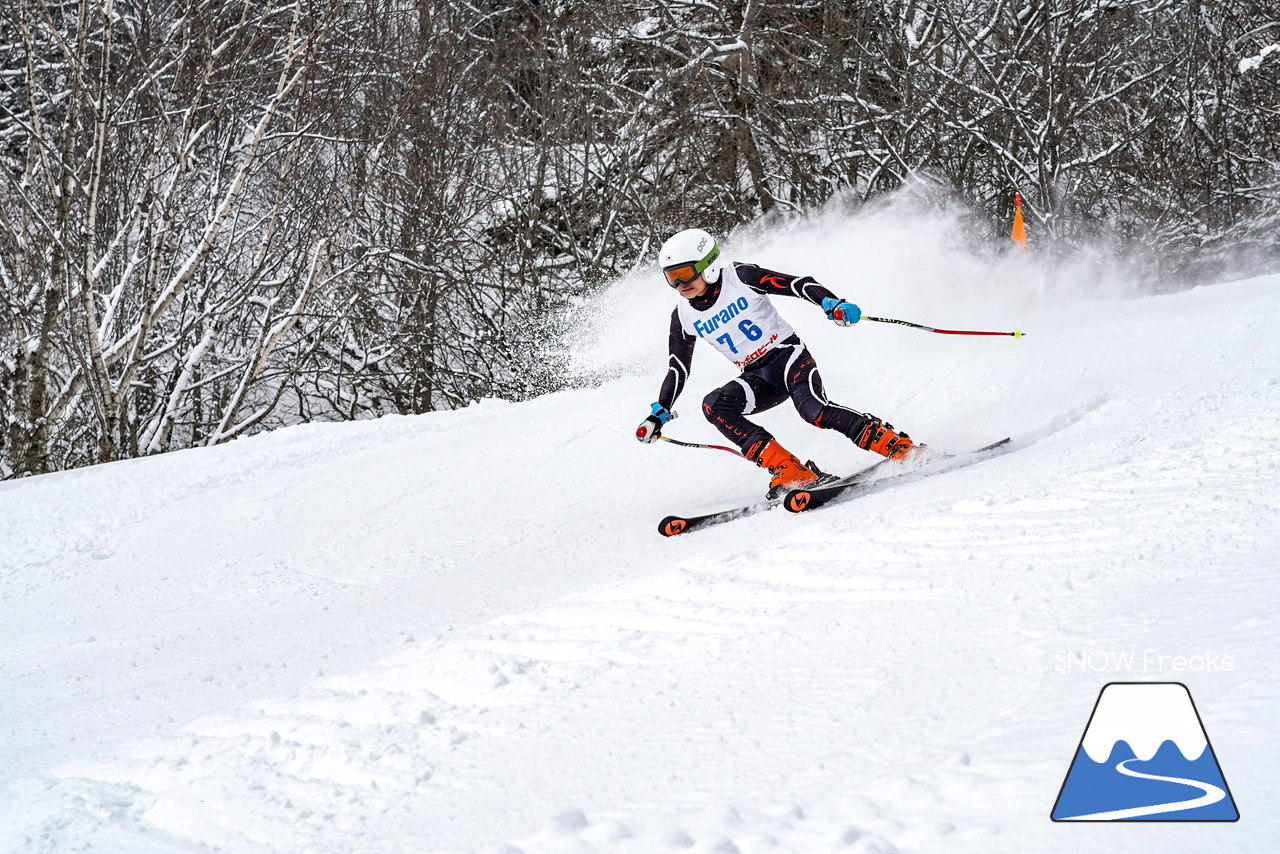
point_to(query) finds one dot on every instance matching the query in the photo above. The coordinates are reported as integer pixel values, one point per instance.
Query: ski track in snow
(301, 642)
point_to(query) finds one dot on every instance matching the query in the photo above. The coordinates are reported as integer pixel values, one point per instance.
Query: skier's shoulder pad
(764, 280)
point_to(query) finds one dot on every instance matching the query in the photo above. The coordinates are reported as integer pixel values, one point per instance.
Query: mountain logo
(1144, 756)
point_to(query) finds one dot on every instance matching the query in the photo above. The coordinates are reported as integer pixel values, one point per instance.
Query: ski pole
(733, 451)
(1017, 334)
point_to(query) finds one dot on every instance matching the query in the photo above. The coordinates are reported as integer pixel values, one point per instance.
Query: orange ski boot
(887, 442)
(788, 472)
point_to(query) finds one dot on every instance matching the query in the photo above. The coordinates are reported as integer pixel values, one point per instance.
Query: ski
(796, 500)
(673, 525)
(800, 500)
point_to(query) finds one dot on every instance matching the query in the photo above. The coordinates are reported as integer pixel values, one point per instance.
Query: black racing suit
(786, 371)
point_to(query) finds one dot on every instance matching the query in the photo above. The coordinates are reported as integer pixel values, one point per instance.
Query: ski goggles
(682, 274)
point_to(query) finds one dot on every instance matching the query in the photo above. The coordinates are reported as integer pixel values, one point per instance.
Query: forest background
(223, 217)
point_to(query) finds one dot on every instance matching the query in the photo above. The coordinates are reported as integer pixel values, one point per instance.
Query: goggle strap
(707, 261)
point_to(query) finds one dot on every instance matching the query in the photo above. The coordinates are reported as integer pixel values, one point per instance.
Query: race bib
(742, 324)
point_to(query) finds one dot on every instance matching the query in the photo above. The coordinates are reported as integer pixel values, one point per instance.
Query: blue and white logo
(1145, 756)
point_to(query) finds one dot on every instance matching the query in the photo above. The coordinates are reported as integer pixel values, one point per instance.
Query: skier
(728, 306)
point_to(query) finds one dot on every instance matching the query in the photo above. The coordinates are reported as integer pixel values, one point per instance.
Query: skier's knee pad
(728, 400)
(812, 411)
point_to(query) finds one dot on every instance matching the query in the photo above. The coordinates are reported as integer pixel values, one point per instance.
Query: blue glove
(651, 427)
(841, 312)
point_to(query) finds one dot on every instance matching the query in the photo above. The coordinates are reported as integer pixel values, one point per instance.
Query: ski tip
(798, 500)
(672, 525)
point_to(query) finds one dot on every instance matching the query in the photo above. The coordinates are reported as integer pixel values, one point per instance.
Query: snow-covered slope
(462, 632)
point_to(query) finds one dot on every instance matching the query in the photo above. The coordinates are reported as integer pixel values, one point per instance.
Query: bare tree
(217, 217)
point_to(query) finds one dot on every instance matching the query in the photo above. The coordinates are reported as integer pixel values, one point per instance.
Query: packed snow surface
(462, 632)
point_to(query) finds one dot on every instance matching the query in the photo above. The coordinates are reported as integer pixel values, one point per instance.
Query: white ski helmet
(687, 254)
